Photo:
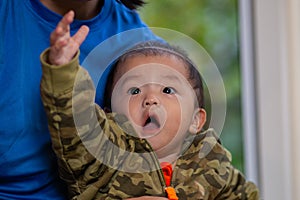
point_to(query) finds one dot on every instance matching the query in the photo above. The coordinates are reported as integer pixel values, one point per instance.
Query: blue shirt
(28, 167)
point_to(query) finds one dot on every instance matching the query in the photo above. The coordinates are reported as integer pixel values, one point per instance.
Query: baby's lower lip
(150, 130)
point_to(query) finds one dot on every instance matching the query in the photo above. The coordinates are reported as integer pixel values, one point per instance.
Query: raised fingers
(81, 34)
(66, 20)
(62, 30)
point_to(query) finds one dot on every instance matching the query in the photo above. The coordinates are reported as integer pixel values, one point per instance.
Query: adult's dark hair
(155, 48)
(132, 4)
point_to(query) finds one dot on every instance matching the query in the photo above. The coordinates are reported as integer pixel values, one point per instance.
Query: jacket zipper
(157, 166)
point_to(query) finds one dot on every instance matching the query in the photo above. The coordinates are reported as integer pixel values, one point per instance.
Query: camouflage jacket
(99, 156)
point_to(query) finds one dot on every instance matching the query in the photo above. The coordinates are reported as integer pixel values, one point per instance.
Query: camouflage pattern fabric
(99, 160)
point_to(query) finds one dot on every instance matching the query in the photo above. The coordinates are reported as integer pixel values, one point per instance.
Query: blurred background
(214, 25)
(256, 47)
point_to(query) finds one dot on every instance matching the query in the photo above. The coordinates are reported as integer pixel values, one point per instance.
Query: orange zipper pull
(171, 193)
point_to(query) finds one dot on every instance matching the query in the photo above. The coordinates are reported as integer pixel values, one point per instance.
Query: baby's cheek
(133, 112)
(120, 104)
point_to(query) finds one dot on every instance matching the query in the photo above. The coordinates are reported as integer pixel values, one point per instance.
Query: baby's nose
(150, 100)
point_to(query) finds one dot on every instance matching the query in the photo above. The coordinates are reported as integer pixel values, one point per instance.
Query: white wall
(294, 83)
(276, 28)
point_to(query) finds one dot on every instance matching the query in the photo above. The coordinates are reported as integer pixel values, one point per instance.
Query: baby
(148, 144)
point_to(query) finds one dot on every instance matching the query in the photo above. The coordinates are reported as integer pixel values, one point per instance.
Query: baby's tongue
(151, 126)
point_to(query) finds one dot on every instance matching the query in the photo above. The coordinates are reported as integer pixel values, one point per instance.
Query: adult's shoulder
(3, 3)
(6, 6)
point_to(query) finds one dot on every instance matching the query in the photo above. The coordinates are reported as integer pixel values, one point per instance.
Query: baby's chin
(148, 130)
(166, 153)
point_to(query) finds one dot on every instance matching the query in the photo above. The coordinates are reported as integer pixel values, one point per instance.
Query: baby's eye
(169, 90)
(134, 91)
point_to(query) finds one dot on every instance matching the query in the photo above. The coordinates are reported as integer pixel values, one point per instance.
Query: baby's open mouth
(151, 126)
(152, 123)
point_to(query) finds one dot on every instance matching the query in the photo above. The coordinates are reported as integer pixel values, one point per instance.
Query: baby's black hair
(155, 48)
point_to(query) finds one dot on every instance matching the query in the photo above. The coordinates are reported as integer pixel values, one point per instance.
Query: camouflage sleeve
(235, 185)
(238, 187)
(77, 138)
(205, 171)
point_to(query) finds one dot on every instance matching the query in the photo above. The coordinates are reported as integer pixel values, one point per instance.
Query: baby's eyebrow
(130, 78)
(160, 79)
(172, 78)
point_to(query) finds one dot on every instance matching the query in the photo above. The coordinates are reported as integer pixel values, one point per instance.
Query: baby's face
(153, 92)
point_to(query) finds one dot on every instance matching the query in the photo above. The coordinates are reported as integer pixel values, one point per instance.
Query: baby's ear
(198, 121)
